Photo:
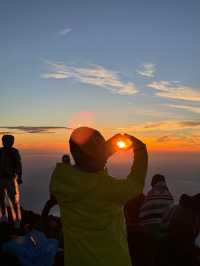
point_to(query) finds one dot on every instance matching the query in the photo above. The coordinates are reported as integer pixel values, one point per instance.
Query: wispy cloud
(162, 126)
(147, 70)
(65, 31)
(32, 129)
(94, 75)
(164, 139)
(167, 89)
(189, 108)
(181, 139)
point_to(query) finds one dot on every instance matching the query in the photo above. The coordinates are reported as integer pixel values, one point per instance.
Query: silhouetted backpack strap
(8, 158)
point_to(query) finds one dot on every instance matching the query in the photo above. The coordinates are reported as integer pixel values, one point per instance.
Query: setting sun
(121, 144)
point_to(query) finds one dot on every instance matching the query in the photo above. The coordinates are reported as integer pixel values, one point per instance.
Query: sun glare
(121, 144)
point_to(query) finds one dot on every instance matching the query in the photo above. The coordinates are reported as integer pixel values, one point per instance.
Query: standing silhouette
(10, 179)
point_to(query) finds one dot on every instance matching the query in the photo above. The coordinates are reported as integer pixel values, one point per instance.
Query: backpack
(34, 249)
(8, 162)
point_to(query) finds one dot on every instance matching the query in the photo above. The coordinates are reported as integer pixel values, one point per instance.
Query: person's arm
(45, 212)
(48, 206)
(18, 168)
(121, 191)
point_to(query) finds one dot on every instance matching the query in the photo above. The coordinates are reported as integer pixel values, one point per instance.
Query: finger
(117, 135)
(129, 136)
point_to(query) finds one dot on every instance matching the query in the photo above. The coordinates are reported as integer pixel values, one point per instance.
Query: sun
(121, 144)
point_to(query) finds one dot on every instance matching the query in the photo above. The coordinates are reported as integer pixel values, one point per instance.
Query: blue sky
(131, 66)
(128, 62)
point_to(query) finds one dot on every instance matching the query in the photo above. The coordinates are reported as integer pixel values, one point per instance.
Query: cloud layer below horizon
(31, 129)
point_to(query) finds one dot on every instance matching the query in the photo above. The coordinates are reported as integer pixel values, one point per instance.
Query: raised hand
(136, 143)
(111, 147)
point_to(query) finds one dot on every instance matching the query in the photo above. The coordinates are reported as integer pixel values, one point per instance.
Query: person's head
(191, 207)
(88, 148)
(66, 159)
(190, 202)
(8, 141)
(157, 179)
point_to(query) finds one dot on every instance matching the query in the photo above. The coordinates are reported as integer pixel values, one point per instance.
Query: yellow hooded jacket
(91, 206)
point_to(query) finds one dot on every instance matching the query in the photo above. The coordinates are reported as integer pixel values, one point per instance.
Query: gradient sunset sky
(119, 66)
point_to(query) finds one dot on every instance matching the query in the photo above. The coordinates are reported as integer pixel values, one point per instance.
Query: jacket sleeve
(120, 191)
(18, 168)
(45, 212)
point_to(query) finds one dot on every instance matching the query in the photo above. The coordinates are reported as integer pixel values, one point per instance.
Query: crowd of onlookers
(159, 232)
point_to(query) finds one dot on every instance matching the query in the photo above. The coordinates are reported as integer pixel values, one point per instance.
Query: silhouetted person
(182, 224)
(156, 203)
(66, 159)
(134, 229)
(132, 210)
(91, 202)
(10, 178)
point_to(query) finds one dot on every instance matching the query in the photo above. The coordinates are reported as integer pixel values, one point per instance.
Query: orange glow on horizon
(58, 142)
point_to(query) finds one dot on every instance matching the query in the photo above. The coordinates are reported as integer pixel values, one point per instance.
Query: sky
(130, 66)
(119, 66)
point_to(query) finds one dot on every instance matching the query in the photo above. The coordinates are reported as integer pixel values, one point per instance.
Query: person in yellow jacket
(91, 202)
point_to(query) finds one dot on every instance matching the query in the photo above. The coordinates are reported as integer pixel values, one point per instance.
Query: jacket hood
(72, 183)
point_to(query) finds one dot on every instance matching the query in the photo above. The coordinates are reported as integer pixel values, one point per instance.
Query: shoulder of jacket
(58, 164)
(14, 150)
